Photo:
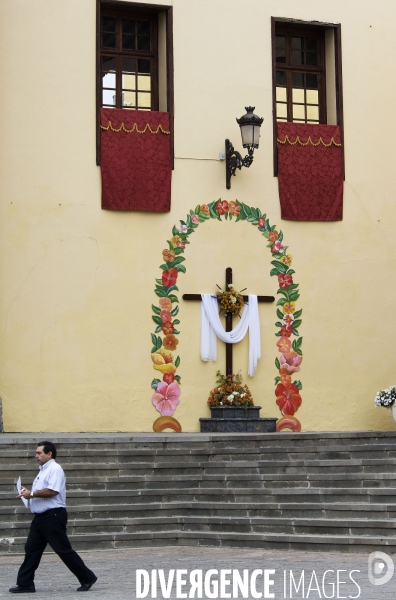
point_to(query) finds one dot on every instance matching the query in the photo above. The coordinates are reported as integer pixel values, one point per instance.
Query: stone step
(243, 525)
(101, 541)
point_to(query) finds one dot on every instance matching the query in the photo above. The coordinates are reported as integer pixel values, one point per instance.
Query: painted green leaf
(172, 288)
(295, 332)
(294, 296)
(274, 272)
(279, 314)
(226, 216)
(298, 351)
(297, 323)
(293, 286)
(154, 383)
(178, 379)
(158, 329)
(165, 267)
(156, 309)
(175, 231)
(197, 209)
(159, 343)
(157, 320)
(298, 384)
(178, 251)
(160, 293)
(173, 298)
(255, 212)
(252, 219)
(283, 292)
(153, 349)
(245, 210)
(154, 339)
(175, 311)
(176, 332)
(290, 272)
(177, 361)
(279, 265)
(277, 379)
(181, 268)
(176, 322)
(278, 324)
(277, 363)
(278, 334)
(265, 233)
(298, 313)
(281, 301)
(280, 236)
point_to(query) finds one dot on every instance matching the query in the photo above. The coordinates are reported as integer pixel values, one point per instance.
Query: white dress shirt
(50, 476)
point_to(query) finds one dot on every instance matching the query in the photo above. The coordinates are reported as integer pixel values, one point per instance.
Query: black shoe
(87, 586)
(22, 589)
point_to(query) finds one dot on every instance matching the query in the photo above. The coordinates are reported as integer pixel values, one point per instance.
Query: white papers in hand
(18, 486)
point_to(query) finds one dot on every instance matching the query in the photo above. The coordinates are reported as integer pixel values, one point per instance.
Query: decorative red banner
(135, 160)
(310, 172)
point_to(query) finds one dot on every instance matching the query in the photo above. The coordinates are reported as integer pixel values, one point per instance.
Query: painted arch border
(167, 392)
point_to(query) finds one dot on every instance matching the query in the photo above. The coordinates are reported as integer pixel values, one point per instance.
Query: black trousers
(50, 528)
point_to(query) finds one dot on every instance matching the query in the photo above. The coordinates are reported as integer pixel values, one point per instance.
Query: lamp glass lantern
(250, 132)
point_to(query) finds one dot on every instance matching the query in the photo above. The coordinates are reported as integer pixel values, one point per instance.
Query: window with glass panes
(300, 88)
(128, 60)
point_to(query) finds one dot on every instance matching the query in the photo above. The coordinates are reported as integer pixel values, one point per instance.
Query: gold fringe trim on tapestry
(309, 142)
(134, 128)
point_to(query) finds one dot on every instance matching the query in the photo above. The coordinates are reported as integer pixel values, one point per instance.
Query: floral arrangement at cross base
(386, 397)
(231, 302)
(230, 391)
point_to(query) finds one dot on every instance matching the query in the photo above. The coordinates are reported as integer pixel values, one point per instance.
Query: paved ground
(116, 571)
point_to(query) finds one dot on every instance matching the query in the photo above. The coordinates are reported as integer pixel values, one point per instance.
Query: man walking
(48, 504)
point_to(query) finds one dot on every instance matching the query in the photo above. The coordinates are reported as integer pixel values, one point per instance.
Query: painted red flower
(169, 378)
(287, 398)
(170, 342)
(286, 331)
(261, 223)
(205, 209)
(235, 209)
(284, 280)
(165, 303)
(166, 398)
(169, 277)
(273, 236)
(222, 207)
(290, 363)
(167, 327)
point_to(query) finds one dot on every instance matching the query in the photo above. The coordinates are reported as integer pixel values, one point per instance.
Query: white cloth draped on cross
(211, 327)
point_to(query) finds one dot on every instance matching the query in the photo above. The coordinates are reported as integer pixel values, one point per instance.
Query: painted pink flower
(165, 316)
(182, 229)
(290, 362)
(194, 219)
(166, 398)
(277, 247)
(284, 344)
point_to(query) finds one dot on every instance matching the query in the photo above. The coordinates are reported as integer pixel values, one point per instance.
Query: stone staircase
(308, 491)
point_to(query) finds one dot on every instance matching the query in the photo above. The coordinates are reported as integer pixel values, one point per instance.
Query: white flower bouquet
(386, 397)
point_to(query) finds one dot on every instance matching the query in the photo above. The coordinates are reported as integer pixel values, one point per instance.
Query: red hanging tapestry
(135, 160)
(310, 172)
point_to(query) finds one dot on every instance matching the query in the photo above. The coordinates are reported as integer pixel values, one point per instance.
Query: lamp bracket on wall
(234, 161)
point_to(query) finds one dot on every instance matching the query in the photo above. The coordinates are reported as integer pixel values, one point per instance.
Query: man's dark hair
(48, 447)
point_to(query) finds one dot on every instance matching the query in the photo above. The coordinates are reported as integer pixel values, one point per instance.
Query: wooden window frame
(143, 10)
(279, 24)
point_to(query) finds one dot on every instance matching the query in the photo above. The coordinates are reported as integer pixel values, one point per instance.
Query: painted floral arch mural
(166, 361)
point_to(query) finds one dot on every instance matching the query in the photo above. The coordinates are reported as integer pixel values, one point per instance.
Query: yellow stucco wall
(77, 282)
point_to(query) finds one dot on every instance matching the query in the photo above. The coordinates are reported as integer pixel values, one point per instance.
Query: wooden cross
(228, 318)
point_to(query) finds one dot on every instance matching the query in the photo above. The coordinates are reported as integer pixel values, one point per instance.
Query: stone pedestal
(233, 419)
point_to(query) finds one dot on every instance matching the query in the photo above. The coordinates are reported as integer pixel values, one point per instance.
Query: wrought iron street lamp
(250, 132)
